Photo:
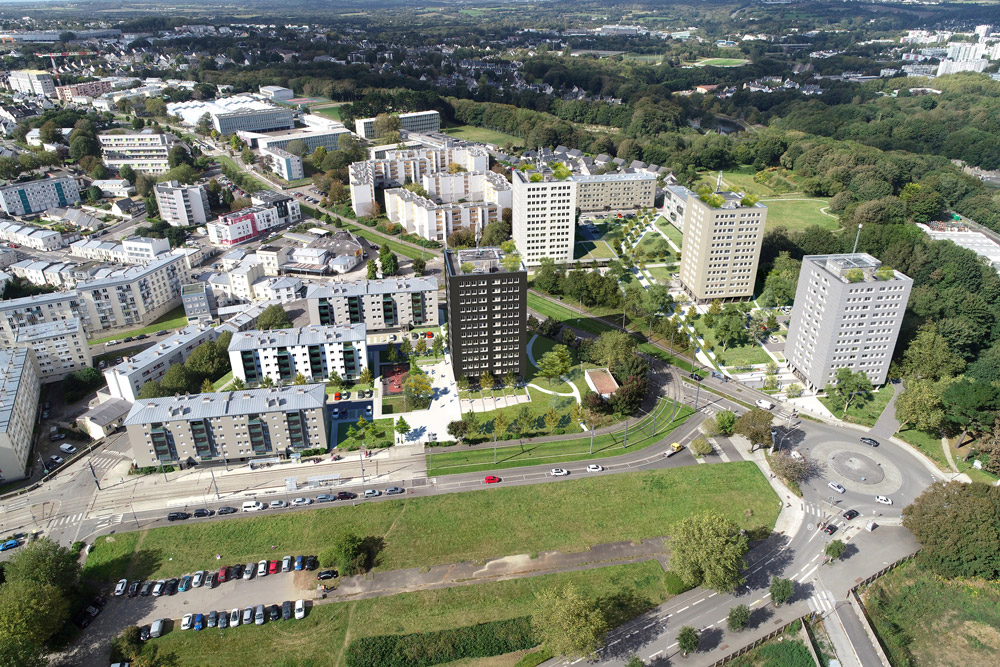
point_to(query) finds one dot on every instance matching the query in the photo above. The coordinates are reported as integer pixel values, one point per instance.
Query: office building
(847, 314)
(17, 314)
(487, 313)
(277, 93)
(378, 304)
(36, 196)
(199, 303)
(242, 225)
(232, 114)
(315, 352)
(288, 209)
(435, 222)
(142, 151)
(721, 247)
(420, 122)
(182, 205)
(228, 427)
(614, 192)
(126, 379)
(19, 391)
(32, 82)
(60, 347)
(286, 165)
(544, 217)
(313, 137)
(86, 89)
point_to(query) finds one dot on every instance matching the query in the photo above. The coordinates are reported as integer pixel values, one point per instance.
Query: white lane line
(713, 595)
(654, 655)
(698, 602)
(720, 620)
(806, 575)
(680, 610)
(671, 646)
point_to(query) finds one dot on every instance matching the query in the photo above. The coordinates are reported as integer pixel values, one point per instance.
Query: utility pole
(96, 481)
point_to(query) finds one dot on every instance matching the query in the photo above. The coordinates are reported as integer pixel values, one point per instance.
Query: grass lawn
(799, 214)
(329, 112)
(656, 248)
(721, 62)
(322, 637)
(497, 521)
(741, 355)
(222, 381)
(920, 618)
(383, 435)
(661, 273)
(481, 134)
(548, 308)
(863, 410)
(739, 179)
(395, 246)
(672, 232)
(564, 451)
(929, 445)
(175, 319)
(593, 250)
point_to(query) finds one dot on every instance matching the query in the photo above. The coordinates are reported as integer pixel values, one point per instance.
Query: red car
(430, 335)
(273, 567)
(336, 396)
(491, 479)
(223, 575)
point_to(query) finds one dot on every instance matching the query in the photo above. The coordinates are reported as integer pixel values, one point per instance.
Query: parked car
(324, 498)
(92, 611)
(199, 513)
(158, 588)
(299, 562)
(262, 568)
(248, 616)
(273, 567)
(346, 495)
(347, 395)
(259, 617)
(236, 572)
(836, 487)
(368, 409)
(185, 585)
(120, 587)
(559, 472)
(286, 610)
(326, 574)
(198, 580)
(141, 337)
(302, 501)
(372, 493)
(227, 510)
(286, 563)
(213, 618)
(492, 479)
(144, 633)
(170, 588)
(56, 459)
(128, 339)
(178, 516)
(249, 571)
(335, 413)
(67, 449)
(234, 618)
(336, 395)
(9, 544)
(394, 491)
(199, 622)
(883, 500)
(850, 514)
(133, 588)
(186, 621)
(312, 562)
(300, 609)
(830, 529)
(278, 504)
(223, 575)
(223, 619)
(273, 613)
(147, 588)
(593, 467)
(161, 332)
(871, 442)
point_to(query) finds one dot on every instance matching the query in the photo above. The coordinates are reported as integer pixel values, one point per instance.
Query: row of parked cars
(262, 614)
(258, 506)
(206, 579)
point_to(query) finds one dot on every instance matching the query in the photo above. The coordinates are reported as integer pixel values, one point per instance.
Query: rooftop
(312, 335)
(482, 260)
(48, 330)
(157, 352)
(12, 363)
(208, 406)
(107, 412)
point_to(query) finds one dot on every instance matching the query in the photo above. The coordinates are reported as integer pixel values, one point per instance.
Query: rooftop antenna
(858, 236)
(718, 183)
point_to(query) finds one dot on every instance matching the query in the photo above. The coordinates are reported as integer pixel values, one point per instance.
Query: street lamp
(623, 304)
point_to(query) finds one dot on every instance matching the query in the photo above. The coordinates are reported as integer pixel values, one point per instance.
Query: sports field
(481, 134)
(721, 62)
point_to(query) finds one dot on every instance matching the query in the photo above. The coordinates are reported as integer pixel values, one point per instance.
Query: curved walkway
(531, 357)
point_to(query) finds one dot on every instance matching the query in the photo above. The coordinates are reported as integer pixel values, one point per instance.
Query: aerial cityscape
(500, 333)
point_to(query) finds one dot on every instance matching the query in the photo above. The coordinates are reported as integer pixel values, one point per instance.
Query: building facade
(721, 247)
(286, 165)
(848, 313)
(378, 304)
(243, 225)
(270, 119)
(36, 196)
(19, 391)
(228, 427)
(126, 379)
(288, 209)
(420, 122)
(142, 151)
(316, 352)
(611, 192)
(133, 296)
(86, 89)
(544, 217)
(199, 303)
(487, 314)
(435, 222)
(60, 348)
(182, 205)
(17, 314)
(32, 82)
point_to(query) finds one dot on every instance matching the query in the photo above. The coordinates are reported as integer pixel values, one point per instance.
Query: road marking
(806, 575)
(713, 595)
(680, 610)
(699, 601)
(720, 620)
(655, 654)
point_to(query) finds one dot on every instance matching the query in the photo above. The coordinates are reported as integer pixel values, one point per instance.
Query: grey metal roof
(108, 411)
(312, 335)
(48, 330)
(227, 404)
(361, 287)
(165, 347)
(12, 363)
(38, 300)
(132, 273)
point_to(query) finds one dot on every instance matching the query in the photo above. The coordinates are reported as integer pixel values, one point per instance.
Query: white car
(764, 405)
(300, 610)
(593, 467)
(69, 449)
(883, 500)
(234, 618)
(120, 588)
(372, 493)
(278, 504)
(158, 588)
(262, 568)
(302, 501)
(186, 621)
(198, 580)
(559, 472)
(836, 487)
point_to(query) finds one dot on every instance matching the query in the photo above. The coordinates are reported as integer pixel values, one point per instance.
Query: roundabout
(858, 468)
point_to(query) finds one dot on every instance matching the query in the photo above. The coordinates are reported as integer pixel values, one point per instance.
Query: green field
(655, 248)
(383, 436)
(421, 531)
(395, 246)
(740, 355)
(920, 617)
(661, 274)
(329, 112)
(175, 319)
(672, 232)
(795, 214)
(721, 62)
(547, 308)
(322, 637)
(593, 250)
(481, 134)
(863, 410)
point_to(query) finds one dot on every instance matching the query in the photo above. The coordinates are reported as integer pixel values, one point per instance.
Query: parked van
(764, 405)
(156, 629)
(252, 506)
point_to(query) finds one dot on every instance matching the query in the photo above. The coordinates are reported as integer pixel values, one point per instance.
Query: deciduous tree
(32, 610)
(708, 550)
(43, 561)
(569, 623)
(738, 617)
(273, 317)
(781, 590)
(755, 426)
(687, 640)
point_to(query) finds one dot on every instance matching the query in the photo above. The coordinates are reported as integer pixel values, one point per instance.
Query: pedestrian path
(17, 504)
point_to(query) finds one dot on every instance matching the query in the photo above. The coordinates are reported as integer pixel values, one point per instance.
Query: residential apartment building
(32, 82)
(378, 304)
(182, 205)
(86, 89)
(288, 209)
(60, 347)
(544, 217)
(286, 165)
(420, 122)
(199, 303)
(611, 192)
(314, 351)
(115, 187)
(126, 379)
(242, 225)
(471, 186)
(435, 222)
(32, 237)
(133, 250)
(142, 151)
(17, 314)
(410, 165)
(234, 426)
(36, 196)
(19, 391)
(133, 296)
(139, 249)
(721, 247)
(847, 314)
(487, 314)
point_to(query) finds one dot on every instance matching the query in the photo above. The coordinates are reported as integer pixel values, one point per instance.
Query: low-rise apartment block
(199, 303)
(127, 378)
(142, 151)
(182, 205)
(288, 208)
(36, 196)
(115, 187)
(243, 225)
(32, 237)
(86, 89)
(17, 314)
(288, 166)
(316, 352)
(60, 348)
(378, 304)
(227, 427)
(19, 391)
(420, 122)
(435, 222)
(848, 313)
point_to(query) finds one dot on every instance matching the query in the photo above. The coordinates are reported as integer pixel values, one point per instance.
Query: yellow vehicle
(674, 448)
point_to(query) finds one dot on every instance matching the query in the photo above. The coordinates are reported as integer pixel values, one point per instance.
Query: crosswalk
(16, 504)
(821, 602)
(108, 521)
(65, 520)
(106, 460)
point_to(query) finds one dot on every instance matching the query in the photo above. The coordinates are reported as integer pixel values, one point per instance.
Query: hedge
(433, 648)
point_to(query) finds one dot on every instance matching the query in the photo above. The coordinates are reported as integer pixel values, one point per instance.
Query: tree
(179, 155)
(791, 468)
(179, 380)
(419, 266)
(955, 524)
(126, 172)
(248, 156)
(129, 642)
(725, 422)
(209, 360)
(848, 386)
(405, 349)
(300, 379)
(237, 384)
(390, 263)
(334, 380)
(500, 424)
(392, 353)
(929, 356)
(206, 386)
(372, 270)
(635, 661)
(347, 554)
(267, 382)
(731, 328)
(297, 147)
(21, 652)
(835, 549)
(547, 277)
(152, 389)
(495, 233)
(708, 549)
(204, 124)
(782, 590)
(366, 376)
(31, 610)
(920, 406)
(555, 363)
(613, 349)
(971, 406)
(568, 623)
(755, 426)
(402, 428)
(525, 421)
(49, 133)
(273, 317)
(472, 424)
(551, 418)
(486, 381)
(437, 347)
(738, 618)
(417, 388)
(458, 429)
(43, 561)
(385, 123)
(687, 640)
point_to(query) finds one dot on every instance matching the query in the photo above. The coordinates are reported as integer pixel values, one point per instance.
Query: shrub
(701, 446)
(674, 584)
(315, 451)
(534, 658)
